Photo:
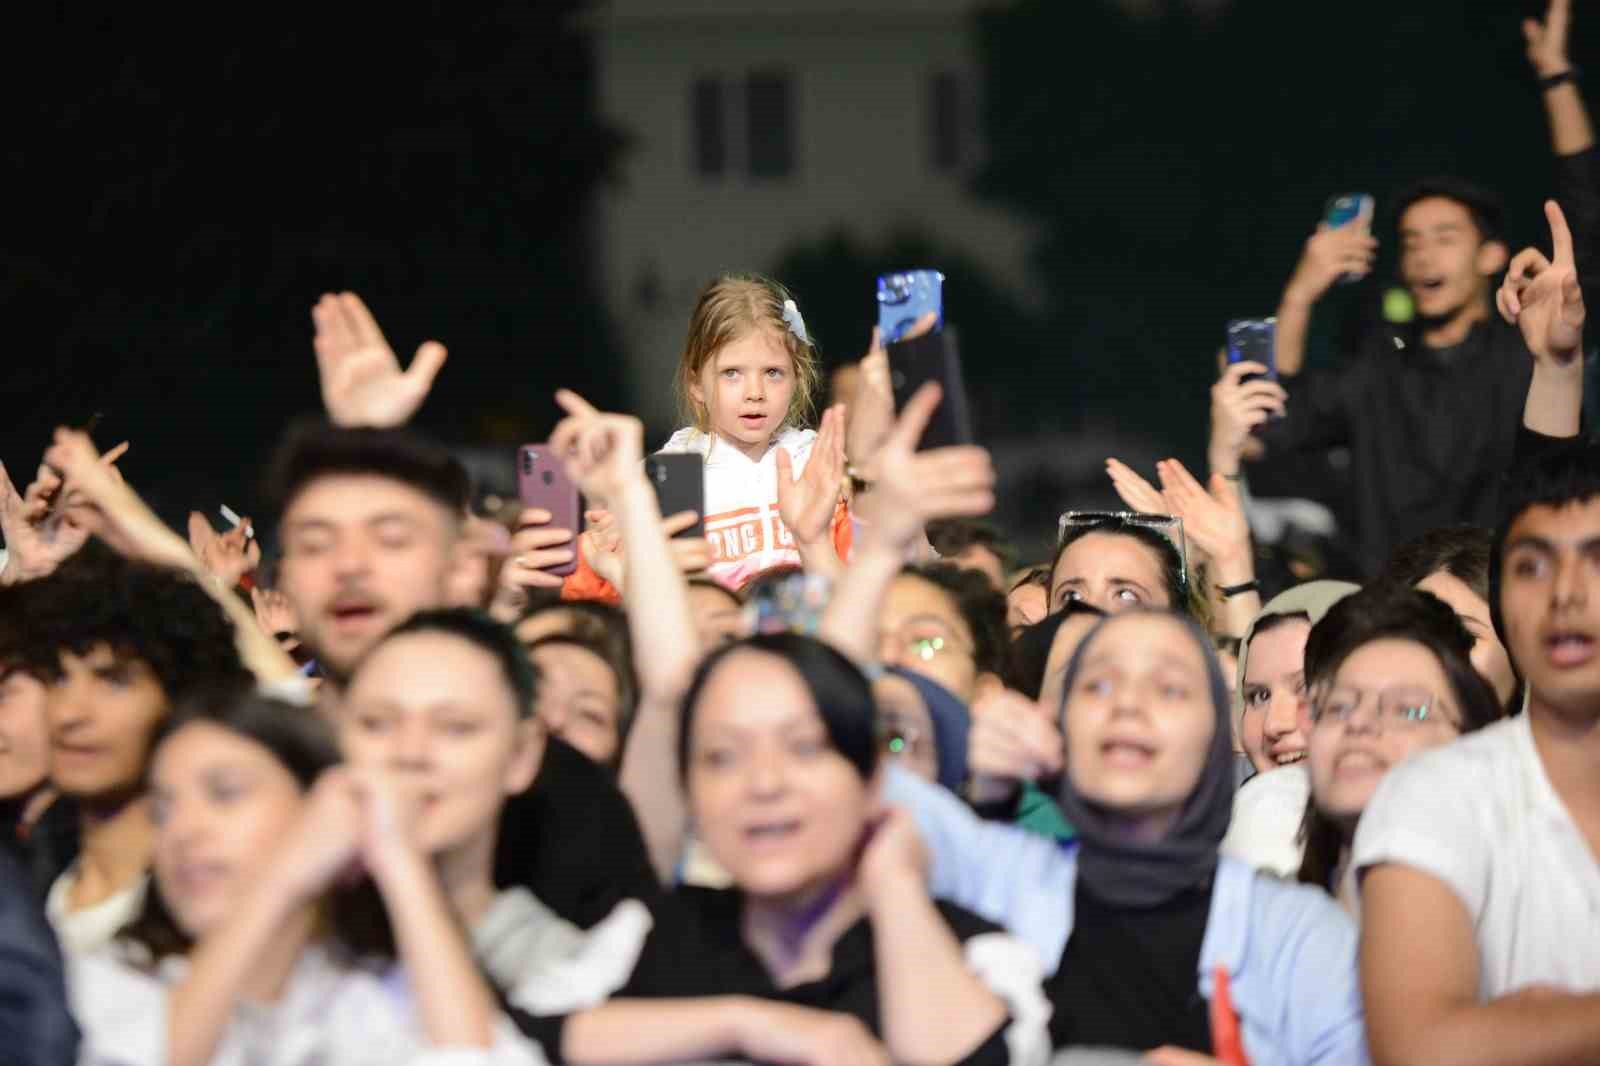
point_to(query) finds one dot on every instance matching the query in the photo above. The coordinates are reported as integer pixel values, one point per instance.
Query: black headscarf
(1131, 874)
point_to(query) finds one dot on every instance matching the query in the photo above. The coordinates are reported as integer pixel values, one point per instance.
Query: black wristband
(1554, 80)
(1230, 591)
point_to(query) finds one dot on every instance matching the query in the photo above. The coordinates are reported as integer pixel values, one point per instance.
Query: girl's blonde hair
(732, 307)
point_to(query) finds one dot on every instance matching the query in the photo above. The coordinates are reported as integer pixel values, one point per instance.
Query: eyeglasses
(899, 737)
(925, 647)
(1169, 526)
(1399, 706)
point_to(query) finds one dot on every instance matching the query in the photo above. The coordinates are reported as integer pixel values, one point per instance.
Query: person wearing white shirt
(248, 951)
(1480, 862)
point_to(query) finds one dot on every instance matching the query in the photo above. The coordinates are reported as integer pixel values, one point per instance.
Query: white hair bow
(797, 325)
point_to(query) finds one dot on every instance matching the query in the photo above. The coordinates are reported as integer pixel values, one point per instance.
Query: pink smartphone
(542, 482)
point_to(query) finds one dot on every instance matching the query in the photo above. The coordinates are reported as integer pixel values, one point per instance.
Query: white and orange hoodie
(742, 525)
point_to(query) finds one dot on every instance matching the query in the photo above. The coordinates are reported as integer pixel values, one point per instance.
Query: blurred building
(756, 124)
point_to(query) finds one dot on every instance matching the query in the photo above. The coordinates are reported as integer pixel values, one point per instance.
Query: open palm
(362, 383)
(806, 503)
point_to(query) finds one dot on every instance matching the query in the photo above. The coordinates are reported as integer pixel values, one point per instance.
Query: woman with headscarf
(1271, 725)
(1152, 934)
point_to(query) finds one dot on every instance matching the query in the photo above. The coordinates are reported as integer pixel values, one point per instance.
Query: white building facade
(758, 124)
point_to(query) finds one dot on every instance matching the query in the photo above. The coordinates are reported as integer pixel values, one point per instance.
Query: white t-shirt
(742, 525)
(1264, 831)
(93, 927)
(1481, 815)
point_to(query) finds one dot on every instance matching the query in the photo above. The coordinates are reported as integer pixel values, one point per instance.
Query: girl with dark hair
(1391, 674)
(1453, 564)
(1144, 916)
(1117, 565)
(828, 948)
(247, 960)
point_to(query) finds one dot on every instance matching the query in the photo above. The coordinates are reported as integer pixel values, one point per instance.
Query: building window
(769, 115)
(946, 122)
(710, 128)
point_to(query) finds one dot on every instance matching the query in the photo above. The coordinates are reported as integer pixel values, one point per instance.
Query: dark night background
(181, 191)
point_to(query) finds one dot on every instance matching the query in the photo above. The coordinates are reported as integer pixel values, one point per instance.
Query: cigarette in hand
(230, 516)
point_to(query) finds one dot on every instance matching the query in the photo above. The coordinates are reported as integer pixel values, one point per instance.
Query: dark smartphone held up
(906, 296)
(933, 357)
(680, 484)
(1254, 340)
(542, 482)
(1352, 209)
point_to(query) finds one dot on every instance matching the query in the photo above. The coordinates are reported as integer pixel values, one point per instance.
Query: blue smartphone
(1254, 340)
(1357, 208)
(906, 296)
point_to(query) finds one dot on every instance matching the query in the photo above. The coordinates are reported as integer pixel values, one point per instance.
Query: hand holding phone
(1352, 212)
(1254, 340)
(905, 297)
(542, 483)
(680, 483)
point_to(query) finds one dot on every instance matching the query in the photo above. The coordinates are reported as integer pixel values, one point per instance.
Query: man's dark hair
(1460, 551)
(952, 536)
(983, 608)
(483, 632)
(312, 450)
(1488, 213)
(159, 617)
(1567, 473)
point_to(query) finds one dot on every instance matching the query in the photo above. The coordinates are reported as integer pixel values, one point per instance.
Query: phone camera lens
(547, 477)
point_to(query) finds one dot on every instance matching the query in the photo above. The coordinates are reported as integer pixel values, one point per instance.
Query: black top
(1129, 977)
(573, 841)
(1433, 432)
(695, 949)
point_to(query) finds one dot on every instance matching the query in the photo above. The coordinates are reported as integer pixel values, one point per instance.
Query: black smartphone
(680, 483)
(933, 357)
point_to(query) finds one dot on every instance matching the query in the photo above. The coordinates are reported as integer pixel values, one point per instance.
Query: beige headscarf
(1313, 599)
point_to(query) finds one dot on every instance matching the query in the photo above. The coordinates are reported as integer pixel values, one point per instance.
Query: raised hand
(229, 556)
(1237, 407)
(1547, 40)
(872, 415)
(362, 383)
(97, 499)
(806, 503)
(1135, 491)
(1214, 519)
(601, 545)
(603, 452)
(324, 845)
(1011, 741)
(37, 539)
(1331, 253)
(914, 488)
(1542, 296)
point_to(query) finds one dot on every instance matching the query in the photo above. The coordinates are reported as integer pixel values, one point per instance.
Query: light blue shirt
(1289, 951)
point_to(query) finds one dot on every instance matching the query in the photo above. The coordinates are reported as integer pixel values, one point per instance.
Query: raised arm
(98, 500)
(912, 488)
(40, 533)
(807, 503)
(362, 383)
(1423, 1007)
(604, 456)
(933, 1008)
(1543, 298)
(1330, 253)
(1570, 130)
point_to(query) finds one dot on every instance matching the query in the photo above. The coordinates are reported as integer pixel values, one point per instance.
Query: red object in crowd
(1227, 1043)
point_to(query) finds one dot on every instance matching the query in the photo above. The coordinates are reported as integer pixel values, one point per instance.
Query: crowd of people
(842, 780)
